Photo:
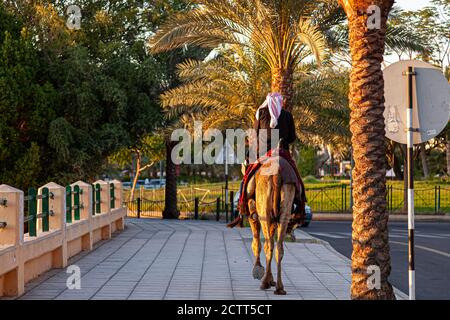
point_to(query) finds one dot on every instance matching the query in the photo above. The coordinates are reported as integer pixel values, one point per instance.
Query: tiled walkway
(156, 259)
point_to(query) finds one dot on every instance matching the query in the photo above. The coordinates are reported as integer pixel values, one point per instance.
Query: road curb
(394, 217)
(398, 293)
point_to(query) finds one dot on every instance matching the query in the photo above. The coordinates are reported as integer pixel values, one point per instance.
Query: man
(271, 116)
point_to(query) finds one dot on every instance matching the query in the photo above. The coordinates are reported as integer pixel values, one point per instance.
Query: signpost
(413, 116)
(226, 180)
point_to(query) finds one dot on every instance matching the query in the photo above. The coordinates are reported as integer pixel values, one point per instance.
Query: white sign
(431, 98)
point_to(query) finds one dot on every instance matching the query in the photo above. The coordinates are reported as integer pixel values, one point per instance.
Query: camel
(273, 195)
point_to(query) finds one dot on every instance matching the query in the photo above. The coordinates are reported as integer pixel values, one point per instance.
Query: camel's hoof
(291, 237)
(280, 292)
(258, 272)
(273, 283)
(265, 286)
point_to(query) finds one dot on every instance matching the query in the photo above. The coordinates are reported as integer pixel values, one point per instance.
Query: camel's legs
(263, 207)
(258, 269)
(287, 197)
(269, 233)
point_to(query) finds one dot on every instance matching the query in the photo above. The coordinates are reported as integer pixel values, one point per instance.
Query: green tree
(307, 161)
(279, 32)
(142, 156)
(26, 105)
(77, 98)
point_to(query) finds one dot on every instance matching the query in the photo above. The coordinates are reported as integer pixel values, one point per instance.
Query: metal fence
(210, 203)
(198, 208)
(33, 211)
(435, 200)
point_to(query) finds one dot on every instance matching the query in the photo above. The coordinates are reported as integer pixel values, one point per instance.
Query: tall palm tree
(370, 218)
(276, 30)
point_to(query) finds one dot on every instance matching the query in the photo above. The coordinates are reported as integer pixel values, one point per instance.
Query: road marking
(397, 235)
(445, 235)
(442, 253)
(328, 235)
(399, 230)
(429, 236)
(345, 234)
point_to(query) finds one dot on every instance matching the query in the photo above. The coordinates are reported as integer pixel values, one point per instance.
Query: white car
(155, 184)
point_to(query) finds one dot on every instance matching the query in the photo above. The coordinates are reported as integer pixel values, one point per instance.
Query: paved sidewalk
(190, 260)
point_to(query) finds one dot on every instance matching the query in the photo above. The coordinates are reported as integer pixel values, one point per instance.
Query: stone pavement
(191, 260)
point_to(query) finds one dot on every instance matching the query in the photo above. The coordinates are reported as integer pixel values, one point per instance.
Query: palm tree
(370, 218)
(225, 92)
(277, 31)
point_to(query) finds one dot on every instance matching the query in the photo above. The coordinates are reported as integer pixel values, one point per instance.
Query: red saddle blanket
(254, 167)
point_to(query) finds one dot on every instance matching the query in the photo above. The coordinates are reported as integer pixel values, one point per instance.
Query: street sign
(417, 109)
(431, 101)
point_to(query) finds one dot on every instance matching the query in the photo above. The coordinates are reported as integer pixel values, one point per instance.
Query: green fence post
(45, 209)
(32, 212)
(111, 196)
(97, 198)
(76, 202)
(68, 204)
(93, 200)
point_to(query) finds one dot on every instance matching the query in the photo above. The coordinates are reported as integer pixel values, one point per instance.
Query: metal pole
(139, 208)
(410, 146)
(196, 208)
(218, 209)
(439, 199)
(232, 205)
(160, 172)
(226, 180)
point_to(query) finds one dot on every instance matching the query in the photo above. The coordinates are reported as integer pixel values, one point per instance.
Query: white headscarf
(274, 102)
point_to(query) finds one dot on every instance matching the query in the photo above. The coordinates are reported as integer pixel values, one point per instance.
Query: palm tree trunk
(170, 207)
(282, 82)
(370, 218)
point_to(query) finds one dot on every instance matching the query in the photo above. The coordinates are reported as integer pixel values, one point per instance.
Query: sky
(412, 4)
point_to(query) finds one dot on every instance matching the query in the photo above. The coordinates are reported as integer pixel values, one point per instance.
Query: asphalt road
(432, 253)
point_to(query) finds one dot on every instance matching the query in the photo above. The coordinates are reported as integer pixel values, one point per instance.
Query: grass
(323, 196)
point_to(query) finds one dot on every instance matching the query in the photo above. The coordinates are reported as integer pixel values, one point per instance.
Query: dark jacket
(285, 126)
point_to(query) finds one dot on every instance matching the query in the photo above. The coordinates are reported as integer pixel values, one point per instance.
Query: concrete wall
(23, 258)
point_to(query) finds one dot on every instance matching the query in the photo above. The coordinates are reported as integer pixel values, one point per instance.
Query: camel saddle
(289, 175)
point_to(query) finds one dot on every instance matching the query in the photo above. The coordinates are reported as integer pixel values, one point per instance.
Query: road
(432, 253)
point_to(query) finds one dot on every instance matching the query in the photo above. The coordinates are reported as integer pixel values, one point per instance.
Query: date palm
(370, 218)
(276, 30)
(225, 92)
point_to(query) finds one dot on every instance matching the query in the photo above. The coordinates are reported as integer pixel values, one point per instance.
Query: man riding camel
(271, 116)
